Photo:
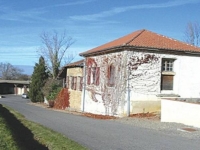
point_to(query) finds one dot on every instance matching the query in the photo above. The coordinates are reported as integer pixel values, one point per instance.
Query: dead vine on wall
(112, 97)
(144, 73)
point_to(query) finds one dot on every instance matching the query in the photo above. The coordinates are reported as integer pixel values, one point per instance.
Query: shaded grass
(17, 133)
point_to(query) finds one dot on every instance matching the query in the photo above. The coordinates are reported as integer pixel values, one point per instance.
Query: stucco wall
(102, 98)
(75, 100)
(180, 112)
(187, 78)
(78, 71)
(144, 82)
(75, 95)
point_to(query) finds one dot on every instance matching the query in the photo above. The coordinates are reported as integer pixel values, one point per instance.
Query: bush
(51, 89)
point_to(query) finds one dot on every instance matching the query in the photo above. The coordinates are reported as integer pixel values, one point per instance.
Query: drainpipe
(128, 94)
(128, 86)
(84, 86)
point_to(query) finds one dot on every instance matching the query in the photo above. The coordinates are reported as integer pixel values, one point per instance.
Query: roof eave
(128, 47)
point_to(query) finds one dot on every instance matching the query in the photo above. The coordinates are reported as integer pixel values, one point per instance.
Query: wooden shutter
(75, 81)
(167, 82)
(89, 76)
(81, 84)
(97, 75)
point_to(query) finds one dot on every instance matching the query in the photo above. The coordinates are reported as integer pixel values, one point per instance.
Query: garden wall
(181, 111)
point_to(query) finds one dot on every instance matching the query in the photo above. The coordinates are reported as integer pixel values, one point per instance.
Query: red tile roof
(62, 72)
(76, 64)
(144, 39)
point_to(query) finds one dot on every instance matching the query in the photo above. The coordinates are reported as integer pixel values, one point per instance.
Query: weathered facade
(73, 79)
(131, 74)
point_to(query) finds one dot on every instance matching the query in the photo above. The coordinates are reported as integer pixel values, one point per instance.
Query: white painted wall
(145, 88)
(187, 78)
(180, 112)
(92, 106)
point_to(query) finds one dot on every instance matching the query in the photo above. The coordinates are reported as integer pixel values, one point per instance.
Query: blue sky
(90, 23)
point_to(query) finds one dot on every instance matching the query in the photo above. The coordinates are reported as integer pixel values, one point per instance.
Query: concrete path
(100, 134)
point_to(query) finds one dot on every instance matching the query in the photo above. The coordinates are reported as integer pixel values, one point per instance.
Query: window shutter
(97, 75)
(67, 82)
(167, 82)
(81, 83)
(75, 81)
(72, 83)
(89, 76)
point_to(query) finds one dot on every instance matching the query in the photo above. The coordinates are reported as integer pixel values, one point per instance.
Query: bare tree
(56, 50)
(192, 33)
(9, 72)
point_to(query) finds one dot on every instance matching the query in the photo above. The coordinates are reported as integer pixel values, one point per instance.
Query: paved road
(100, 134)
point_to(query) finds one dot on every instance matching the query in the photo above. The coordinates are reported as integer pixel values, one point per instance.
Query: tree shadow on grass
(21, 134)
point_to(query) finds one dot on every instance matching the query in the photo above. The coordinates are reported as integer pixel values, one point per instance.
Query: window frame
(93, 75)
(167, 71)
(111, 75)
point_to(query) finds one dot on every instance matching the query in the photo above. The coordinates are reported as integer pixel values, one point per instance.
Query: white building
(131, 74)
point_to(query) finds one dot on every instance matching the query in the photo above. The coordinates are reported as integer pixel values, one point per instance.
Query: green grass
(17, 133)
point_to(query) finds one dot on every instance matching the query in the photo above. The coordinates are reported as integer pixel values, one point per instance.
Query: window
(93, 75)
(167, 82)
(111, 75)
(167, 64)
(80, 83)
(72, 83)
(88, 76)
(167, 77)
(67, 82)
(75, 81)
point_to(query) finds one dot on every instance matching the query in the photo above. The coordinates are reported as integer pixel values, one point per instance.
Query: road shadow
(22, 135)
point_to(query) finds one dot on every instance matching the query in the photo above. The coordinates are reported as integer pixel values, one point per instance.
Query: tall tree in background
(39, 76)
(55, 50)
(192, 33)
(9, 72)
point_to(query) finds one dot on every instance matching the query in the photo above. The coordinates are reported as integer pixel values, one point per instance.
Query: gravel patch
(154, 123)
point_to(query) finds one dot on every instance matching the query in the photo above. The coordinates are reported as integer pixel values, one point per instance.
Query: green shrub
(51, 89)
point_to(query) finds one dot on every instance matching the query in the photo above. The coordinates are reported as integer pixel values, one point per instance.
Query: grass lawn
(17, 133)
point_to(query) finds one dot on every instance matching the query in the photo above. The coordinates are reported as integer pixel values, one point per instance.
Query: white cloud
(118, 10)
(31, 15)
(74, 3)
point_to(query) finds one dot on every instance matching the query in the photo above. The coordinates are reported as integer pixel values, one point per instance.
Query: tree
(39, 76)
(9, 72)
(23, 77)
(54, 50)
(192, 33)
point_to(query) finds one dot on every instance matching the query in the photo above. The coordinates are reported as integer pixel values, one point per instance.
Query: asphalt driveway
(100, 134)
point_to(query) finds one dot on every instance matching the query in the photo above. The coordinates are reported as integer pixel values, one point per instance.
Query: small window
(75, 81)
(93, 75)
(67, 82)
(88, 76)
(167, 65)
(81, 84)
(72, 83)
(167, 77)
(97, 76)
(111, 75)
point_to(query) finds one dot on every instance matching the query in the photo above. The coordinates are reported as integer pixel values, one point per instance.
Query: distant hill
(27, 69)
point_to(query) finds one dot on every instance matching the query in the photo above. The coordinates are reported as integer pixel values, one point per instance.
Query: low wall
(180, 112)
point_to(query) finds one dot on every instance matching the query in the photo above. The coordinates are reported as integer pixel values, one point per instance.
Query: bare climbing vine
(143, 70)
(144, 73)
